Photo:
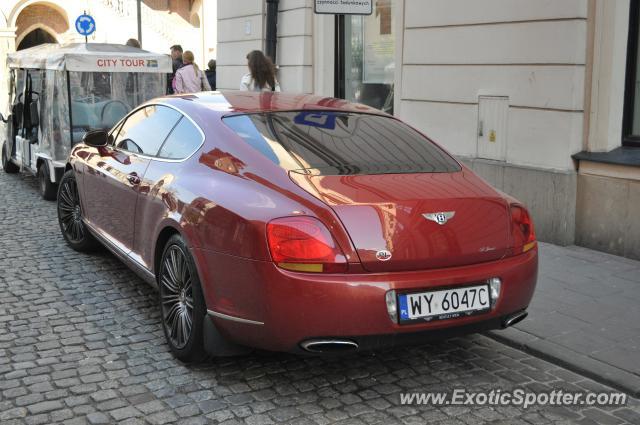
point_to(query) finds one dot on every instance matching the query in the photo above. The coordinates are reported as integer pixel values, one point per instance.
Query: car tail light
(523, 234)
(304, 244)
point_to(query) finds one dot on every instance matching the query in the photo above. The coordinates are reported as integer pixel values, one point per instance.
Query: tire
(8, 166)
(182, 303)
(73, 229)
(48, 190)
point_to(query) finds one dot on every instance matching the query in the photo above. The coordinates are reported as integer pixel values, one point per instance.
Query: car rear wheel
(48, 189)
(8, 166)
(181, 302)
(73, 229)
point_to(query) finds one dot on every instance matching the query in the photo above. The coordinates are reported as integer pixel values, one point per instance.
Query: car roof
(236, 102)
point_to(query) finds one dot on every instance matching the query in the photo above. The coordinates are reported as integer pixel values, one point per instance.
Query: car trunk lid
(402, 222)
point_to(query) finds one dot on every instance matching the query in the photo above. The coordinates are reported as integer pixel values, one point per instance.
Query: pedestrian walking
(261, 75)
(211, 73)
(176, 58)
(189, 78)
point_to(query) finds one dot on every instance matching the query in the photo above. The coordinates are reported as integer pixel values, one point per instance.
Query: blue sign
(85, 25)
(316, 119)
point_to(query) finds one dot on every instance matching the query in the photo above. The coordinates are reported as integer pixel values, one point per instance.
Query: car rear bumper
(257, 304)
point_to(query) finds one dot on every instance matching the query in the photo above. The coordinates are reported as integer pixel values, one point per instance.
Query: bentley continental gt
(297, 223)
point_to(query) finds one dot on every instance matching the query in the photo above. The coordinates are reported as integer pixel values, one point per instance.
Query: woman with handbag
(189, 78)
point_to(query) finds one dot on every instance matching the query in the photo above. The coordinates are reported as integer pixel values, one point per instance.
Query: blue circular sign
(85, 25)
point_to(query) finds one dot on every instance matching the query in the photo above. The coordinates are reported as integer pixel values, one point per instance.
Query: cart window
(101, 99)
(182, 142)
(144, 131)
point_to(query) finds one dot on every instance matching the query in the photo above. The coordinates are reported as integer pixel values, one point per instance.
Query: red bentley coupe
(297, 223)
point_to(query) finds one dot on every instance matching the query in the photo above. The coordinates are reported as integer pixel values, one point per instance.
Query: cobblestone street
(81, 342)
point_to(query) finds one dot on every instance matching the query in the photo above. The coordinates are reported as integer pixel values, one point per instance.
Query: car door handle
(133, 178)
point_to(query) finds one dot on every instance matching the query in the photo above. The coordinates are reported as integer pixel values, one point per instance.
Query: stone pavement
(81, 342)
(585, 315)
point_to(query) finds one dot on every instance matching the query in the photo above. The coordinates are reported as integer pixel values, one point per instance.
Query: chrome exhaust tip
(329, 345)
(514, 318)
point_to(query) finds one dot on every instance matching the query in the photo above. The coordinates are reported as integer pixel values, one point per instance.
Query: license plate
(444, 304)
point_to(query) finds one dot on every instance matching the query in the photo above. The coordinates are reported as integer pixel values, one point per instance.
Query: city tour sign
(344, 7)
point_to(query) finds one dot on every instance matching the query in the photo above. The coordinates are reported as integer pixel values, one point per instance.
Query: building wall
(31, 17)
(241, 28)
(608, 195)
(535, 54)
(532, 52)
(609, 207)
(295, 45)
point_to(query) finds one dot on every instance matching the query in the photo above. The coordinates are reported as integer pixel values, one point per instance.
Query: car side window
(183, 141)
(144, 131)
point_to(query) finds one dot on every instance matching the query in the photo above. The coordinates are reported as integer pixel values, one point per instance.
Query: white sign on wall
(344, 7)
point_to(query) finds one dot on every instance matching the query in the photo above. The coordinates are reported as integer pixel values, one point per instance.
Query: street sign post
(85, 25)
(344, 7)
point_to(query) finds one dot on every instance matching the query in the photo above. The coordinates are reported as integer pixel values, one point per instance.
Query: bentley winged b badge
(440, 217)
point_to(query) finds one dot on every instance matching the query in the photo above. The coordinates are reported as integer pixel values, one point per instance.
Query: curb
(576, 362)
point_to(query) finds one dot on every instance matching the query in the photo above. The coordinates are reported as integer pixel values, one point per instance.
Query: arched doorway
(40, 22)
(35, 37)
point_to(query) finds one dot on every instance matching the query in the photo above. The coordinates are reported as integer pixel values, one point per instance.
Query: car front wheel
(73, 229)
(181, 302)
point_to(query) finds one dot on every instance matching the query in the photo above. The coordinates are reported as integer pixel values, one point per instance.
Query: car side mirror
(96, 138)
(34, 117)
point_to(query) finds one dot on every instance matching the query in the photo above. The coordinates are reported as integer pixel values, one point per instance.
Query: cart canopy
(90, 57)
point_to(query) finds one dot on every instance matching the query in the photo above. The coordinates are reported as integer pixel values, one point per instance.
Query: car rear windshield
(337, 143)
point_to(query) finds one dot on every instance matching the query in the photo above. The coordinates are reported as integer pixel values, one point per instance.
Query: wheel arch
(167, 228)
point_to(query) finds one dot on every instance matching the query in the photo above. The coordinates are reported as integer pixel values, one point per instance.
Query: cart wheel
(48, 190)
(7, 165)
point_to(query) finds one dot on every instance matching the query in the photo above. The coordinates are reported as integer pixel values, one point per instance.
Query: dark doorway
(35, 37)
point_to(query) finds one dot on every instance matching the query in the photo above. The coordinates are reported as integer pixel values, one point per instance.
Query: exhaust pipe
(329, 346)
(514, 318)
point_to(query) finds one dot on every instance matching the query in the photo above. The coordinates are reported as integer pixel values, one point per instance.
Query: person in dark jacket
(176, 58)
(211, 74)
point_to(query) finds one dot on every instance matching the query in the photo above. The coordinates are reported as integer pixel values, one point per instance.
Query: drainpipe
(139, 17)
(272, 29)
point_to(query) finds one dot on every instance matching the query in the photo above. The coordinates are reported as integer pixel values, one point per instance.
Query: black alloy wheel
(73, 228)
(182, 302)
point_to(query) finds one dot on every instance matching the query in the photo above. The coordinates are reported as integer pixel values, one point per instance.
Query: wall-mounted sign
(85, 25)
(344, 7)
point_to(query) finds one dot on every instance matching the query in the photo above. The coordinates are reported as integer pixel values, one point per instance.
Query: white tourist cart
(57, 93)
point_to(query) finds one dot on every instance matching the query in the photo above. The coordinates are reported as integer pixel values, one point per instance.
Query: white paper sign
(344, 7)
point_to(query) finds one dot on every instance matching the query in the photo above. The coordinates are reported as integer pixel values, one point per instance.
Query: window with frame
(183, 141)
(145, 130)
(631, 118)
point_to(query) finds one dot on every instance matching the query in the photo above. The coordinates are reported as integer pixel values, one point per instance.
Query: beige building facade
(191, 23)
(533, 95)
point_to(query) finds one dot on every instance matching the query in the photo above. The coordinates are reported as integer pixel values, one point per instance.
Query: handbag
(202, 87)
